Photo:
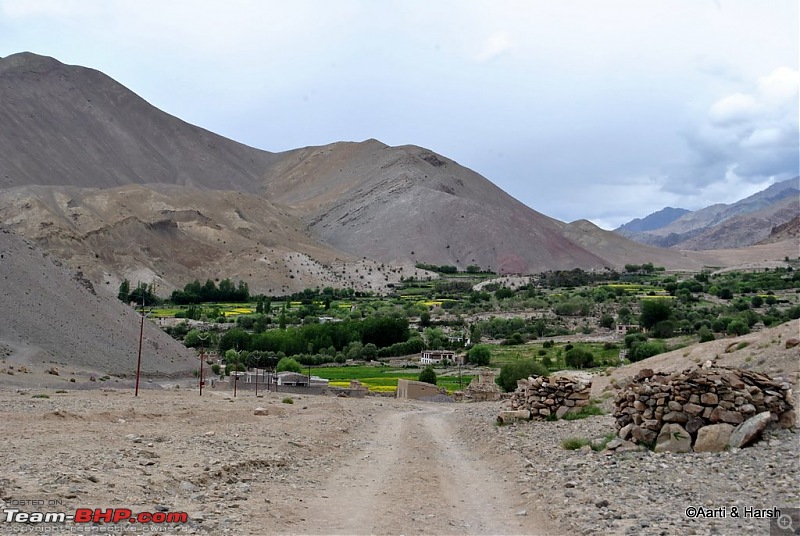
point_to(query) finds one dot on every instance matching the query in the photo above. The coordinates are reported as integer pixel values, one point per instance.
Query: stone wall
(555, 395)
(657, 406)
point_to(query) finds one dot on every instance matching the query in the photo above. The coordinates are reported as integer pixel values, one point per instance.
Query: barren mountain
(66, 125)
(170, 235)
(53, 317)
(101, 178)
(407, 203)
(719, 226)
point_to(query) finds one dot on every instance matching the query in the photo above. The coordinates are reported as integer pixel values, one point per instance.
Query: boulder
(713, 438)
(673, 438)
(261, 411)
(749, 430)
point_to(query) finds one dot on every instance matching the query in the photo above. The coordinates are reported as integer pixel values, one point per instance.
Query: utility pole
(236, 373)
(139, 359)
(202, 337)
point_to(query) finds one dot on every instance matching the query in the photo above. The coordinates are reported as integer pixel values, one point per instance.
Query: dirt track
(413, 476)
(319, 466)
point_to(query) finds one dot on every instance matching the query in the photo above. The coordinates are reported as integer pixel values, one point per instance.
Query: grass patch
(586, 411)
(288, 400)
(574, 443)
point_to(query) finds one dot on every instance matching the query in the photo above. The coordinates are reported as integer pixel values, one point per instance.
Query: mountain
(720, 226)
(121, 190)
(654, 221)
(54, 317)
(65, 125)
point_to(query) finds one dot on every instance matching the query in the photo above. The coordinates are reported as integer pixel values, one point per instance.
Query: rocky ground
(326, 465)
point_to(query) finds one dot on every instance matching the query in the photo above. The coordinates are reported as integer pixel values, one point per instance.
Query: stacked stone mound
(483, 388)
(708, 408)
(555, 395)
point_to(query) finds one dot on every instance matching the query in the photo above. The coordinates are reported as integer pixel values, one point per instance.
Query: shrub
(288, 400)
(585, 411)
(738, 327)
(517, 370)
(646, 349)
(289, 364)
(428, 375)
(579, 358)
(479, 355)
(705, 334)
(574, 443)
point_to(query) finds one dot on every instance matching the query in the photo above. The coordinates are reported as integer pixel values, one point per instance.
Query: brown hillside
(68, 125)
(410, 204)
(170, 235)
(53, 317)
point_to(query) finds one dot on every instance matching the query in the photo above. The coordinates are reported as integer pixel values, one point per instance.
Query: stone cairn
(705, 409)
(544, 396)
(483, 387)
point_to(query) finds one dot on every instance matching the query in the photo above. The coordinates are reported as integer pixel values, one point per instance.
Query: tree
(579, 358)
(654, 311)
(517, 370)
(289, 364)
(479, 355)
(124, 291)
(705, 334)
(428, 375)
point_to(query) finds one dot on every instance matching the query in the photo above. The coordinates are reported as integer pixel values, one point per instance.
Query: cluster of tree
(380, 331)
(647, 268)
(143, 294)
(517, 370)
(194, 292)
(443, 269)
(575, 278)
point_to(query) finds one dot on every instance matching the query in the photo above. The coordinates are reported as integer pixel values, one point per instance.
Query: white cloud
(495, 45)
(732, 109)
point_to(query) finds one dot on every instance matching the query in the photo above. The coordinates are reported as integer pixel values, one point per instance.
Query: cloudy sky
(606, 110)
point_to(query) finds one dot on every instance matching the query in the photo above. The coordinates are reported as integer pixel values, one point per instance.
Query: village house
(436, 357)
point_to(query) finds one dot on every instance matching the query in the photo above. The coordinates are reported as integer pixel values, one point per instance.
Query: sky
(581, 109)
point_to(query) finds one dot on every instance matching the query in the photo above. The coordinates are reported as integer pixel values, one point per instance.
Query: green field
(383, 378)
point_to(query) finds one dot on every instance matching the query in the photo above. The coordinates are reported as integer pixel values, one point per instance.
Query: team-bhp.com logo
(94, 515)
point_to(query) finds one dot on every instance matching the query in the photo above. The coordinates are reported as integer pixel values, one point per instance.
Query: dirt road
(321, 465)
(414, 476)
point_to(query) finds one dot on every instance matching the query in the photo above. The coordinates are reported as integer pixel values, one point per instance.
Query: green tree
(705, 334)
(479, 355)
(579, 358)
(517, 370)
(124, 293)
(428, 375)
(289, 364)
(654, 311)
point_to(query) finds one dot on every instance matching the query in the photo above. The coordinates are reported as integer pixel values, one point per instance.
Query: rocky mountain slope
(99, 177)
(720, 226)
(54, 317)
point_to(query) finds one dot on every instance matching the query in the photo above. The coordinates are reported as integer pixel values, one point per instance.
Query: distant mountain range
(118, 189)
(741, 224)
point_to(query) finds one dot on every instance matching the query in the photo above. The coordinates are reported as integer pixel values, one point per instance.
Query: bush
(479, 355)
(574, 443)
(579, 358)
(288, 400)
(705, 334)
(586, 411)
(428, 375)
(517, 370)
(738, 327)
(646, 349)
(289, 364)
